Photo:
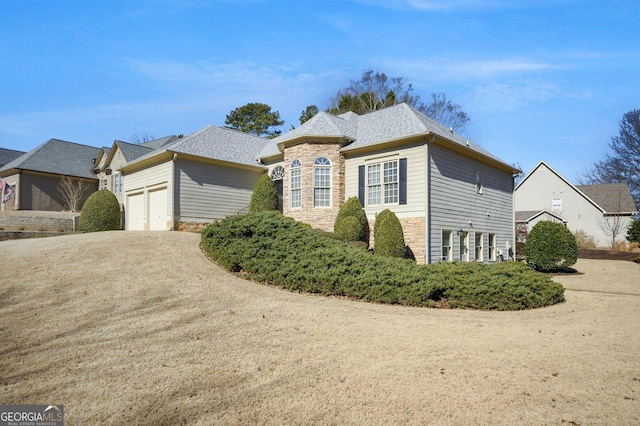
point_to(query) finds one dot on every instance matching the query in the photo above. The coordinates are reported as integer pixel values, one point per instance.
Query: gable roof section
(215, 143)
(529, 215)
(604, 197)
(57, 157)
(8, 155)
(612, 197)
(390, 124)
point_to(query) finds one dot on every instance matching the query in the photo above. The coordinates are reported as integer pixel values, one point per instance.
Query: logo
(31, 415)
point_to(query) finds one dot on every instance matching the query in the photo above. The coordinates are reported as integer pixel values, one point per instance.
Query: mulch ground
(608, 255)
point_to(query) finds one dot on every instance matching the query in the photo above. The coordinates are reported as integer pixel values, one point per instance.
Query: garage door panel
(135, 212)
(158, 210)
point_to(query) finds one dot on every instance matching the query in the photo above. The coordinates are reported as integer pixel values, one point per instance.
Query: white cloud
(512, 95)
(453, 68)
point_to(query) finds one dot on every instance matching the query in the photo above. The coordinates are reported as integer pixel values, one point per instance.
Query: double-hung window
(382, 183)
(322, 182)
(296, 184)
(117, 183)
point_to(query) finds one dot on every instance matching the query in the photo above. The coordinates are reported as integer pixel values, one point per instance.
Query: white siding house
(594, 209)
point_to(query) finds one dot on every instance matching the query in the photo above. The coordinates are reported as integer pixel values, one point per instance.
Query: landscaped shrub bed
(280, 251)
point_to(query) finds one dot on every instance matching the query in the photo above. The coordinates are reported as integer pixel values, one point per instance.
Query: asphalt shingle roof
(612, 197)
(58, 157)
(393, 123)
(8, 155)
(159, 143)
(132, 151)
(217, 143)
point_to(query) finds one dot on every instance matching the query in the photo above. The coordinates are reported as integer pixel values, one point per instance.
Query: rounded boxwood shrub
(551, 246)
(101, 212)
(388, 236)
(355, 230)
(348, 229)
(265, 195)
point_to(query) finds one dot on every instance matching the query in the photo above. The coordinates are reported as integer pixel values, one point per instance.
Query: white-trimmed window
(103, 184)
(478, 252)
(277, 173)
(446, 245)
(478, 183)
(322, 182)
(296, 184)
(492, 247)
(383, 183)
(117, 183)
(556, 205)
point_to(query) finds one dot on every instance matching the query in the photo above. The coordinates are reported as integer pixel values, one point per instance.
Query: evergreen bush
(633, 231)
(351, 208)
(388, 236)
(265, 195)
(551, 246)
(348, 229)
(276, 250)
(101, 212)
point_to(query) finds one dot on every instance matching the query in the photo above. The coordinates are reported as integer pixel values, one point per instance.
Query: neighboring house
(8, 155)
(188, 182)
(598, 210)
(453, 198)
(528, 218)
(36, 175)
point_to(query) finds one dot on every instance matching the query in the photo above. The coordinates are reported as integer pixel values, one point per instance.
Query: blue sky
(545, 79)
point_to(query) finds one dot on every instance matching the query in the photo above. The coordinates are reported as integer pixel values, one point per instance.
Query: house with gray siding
(599, 210)
(36, 176)
(189, 182)
(453, 198)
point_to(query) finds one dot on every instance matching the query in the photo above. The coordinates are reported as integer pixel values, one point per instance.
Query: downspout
(427, 204)
(173, 191)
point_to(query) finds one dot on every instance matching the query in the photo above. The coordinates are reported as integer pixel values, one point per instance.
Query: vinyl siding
(539, 189)
(416, 180)
(454, 203)
(150, 178)
(208, 192)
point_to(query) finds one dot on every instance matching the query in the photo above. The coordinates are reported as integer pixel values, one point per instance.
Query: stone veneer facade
(414, 237)
(307, 152)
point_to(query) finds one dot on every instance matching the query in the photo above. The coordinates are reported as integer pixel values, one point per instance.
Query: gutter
(173, 191)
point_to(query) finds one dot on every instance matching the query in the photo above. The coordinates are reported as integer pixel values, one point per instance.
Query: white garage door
(158, 210)
(135, 212)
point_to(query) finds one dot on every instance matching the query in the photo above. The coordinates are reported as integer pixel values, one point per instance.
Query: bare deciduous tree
(72, 191)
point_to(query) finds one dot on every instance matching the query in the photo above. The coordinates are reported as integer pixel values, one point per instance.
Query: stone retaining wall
(38, 221)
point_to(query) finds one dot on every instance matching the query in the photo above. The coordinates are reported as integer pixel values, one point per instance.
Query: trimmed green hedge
(388, 238)
(280, 251)
(551, 246)
(101, 212)
(264, 196)
(353, 229)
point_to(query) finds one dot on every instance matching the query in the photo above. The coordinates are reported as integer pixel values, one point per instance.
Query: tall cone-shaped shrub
(353, 229)
(265, 195)
(388, 236)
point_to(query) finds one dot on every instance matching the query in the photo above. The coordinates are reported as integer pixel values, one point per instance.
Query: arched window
(277, 173)
(277, 176)
(322, 182)
(296, 184)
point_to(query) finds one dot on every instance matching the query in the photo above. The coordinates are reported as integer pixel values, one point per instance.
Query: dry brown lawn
(141, 328)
